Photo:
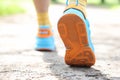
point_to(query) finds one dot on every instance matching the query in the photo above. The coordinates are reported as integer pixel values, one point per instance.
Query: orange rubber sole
(72, 30)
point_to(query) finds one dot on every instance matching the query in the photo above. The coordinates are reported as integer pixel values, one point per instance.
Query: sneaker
(74, 30)
(45, 40)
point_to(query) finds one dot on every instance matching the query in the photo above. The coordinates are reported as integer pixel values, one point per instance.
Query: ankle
(77, 2)
(78, 5)
(43, 19)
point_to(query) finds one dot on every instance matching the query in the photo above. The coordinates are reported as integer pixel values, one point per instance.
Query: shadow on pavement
(64, 72)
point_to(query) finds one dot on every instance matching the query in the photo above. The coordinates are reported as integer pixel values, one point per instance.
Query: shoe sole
(72, 30)
(44, 50)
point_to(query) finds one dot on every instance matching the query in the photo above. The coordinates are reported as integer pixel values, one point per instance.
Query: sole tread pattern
(72, 30)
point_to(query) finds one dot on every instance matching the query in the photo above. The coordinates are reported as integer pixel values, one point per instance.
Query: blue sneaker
(45, 39)
(74, 30)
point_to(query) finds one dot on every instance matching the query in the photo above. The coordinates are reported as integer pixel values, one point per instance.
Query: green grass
(108, 3)
(97, 3)
(11, 6)
(8, 7)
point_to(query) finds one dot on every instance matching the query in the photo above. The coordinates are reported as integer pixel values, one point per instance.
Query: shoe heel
(45, 44)
(83, 57)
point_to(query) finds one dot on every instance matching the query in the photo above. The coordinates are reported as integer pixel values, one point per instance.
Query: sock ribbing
(83, 2)
(43, 19)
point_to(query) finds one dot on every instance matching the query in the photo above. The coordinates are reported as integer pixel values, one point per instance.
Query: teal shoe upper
(45, 43)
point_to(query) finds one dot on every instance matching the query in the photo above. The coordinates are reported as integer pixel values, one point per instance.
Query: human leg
(45, 40)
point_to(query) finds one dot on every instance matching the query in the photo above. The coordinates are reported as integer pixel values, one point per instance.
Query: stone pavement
(19, 60)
